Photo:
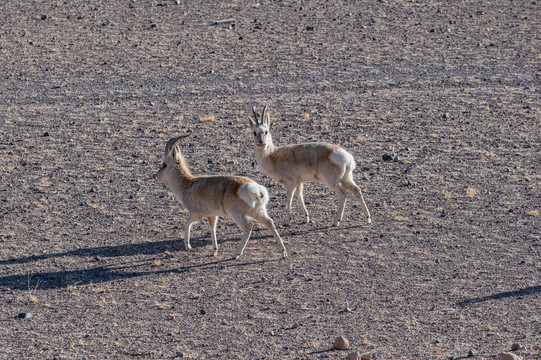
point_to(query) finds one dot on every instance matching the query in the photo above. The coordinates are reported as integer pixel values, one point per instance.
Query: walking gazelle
(236, 197)
(294, 164)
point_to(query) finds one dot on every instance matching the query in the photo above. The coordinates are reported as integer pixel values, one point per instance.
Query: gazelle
(239, 198)
(292, 165)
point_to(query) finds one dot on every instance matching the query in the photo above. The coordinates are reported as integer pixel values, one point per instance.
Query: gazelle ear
(177, 154)
(253, 124)
(267, 121)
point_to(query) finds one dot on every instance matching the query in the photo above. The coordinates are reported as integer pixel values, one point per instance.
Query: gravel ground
(439, 102)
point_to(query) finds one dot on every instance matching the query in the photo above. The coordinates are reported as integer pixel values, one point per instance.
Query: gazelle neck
(185, 175)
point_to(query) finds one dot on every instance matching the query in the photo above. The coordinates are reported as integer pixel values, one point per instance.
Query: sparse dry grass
(208, 118)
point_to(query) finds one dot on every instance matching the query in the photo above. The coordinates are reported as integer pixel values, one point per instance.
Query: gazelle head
(261, 128)
(173, 156)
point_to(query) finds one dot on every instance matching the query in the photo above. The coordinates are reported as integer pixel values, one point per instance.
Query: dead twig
(226, 21)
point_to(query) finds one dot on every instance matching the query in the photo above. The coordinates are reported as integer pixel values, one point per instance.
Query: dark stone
(386, 157)
(24, 315)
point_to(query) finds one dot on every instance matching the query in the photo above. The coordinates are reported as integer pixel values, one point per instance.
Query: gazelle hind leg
(298, 192)
(266, 221)
(350, 185)
(243, 222)
(212, 223)
(342, 197)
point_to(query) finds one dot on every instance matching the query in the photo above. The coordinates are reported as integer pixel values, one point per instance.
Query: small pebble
(446, 116)
(386, 157)
(24, 315)
(516, 347)
(472, 352)
(341, 343)
(508, 356)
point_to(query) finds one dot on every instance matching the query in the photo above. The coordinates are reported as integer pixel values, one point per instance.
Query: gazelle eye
(266, 132)
(255, 134)
(164, 165)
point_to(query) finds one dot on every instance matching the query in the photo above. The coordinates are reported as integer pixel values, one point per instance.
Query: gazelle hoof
(370, 220)
(284, 254)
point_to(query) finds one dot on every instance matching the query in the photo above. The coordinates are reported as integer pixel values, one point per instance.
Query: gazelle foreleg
(298, 193)
(290, 189)
(212, 223)
(189, 223)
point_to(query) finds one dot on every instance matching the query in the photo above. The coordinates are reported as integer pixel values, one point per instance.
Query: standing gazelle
(292, 165)
(237, 197)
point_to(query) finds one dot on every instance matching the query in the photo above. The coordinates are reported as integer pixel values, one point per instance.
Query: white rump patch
(254, 194)
(343, 159)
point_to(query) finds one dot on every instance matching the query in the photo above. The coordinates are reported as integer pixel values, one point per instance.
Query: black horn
(263, 114)
(255, 115)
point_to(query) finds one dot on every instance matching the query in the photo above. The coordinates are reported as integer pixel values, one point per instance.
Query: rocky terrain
(439, 102)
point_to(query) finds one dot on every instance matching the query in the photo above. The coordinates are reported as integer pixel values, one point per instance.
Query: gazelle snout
(260, 134)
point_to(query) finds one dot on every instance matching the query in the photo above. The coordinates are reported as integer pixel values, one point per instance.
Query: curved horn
(172, 142)
(255, 115)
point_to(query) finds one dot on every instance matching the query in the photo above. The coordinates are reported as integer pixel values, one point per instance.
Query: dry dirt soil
(439, 101)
